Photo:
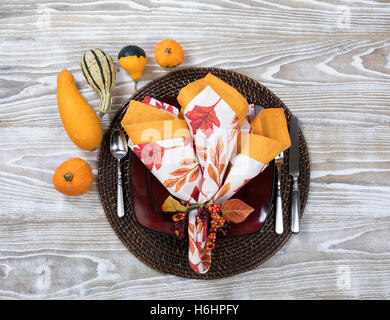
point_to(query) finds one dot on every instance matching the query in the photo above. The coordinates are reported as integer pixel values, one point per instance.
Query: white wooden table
(328, 61)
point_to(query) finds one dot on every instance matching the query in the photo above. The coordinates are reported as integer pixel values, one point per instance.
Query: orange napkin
(144, 123)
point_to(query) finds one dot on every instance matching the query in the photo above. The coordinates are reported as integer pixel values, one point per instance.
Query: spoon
(118, 148)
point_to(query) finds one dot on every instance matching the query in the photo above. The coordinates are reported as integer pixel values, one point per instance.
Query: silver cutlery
(294, 172)
(118, 148)
(279, 204)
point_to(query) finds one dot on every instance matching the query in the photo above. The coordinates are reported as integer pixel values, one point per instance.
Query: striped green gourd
(99, 71)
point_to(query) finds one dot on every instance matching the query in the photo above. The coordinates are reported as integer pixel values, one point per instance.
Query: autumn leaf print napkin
(231, 151)
(208, 151)
(214, 125)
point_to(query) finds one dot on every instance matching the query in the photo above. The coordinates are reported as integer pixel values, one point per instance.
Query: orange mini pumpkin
(73, 177)
(168, 53)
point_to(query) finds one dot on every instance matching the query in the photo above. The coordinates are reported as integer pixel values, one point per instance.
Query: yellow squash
(79, 119)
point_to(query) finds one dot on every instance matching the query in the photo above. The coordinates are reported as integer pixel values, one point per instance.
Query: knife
(294, 172)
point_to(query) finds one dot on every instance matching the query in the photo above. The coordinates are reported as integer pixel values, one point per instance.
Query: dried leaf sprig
(220, 216)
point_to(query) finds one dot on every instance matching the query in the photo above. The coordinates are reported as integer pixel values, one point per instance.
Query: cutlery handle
(120, 204)
(279, 207)
(295, 207)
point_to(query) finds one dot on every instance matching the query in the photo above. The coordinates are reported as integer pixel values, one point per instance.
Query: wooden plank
(329, 62)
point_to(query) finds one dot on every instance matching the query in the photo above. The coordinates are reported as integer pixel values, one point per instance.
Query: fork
(279, 205)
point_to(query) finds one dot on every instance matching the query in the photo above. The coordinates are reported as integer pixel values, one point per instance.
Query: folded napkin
(164, 145)
(207, 152)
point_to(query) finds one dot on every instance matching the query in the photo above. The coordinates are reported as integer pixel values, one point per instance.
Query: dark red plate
(148, 194)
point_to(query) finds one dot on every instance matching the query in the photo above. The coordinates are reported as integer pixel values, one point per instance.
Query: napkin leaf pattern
(235, 129)
(223, 191)
(203, 118)
(151, 154)
(182, 174)
(161, 105)
(218, 159)
(201, 152)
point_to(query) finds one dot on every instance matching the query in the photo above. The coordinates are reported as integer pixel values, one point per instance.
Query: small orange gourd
(73, 177)
(133, 60)
(168, 53)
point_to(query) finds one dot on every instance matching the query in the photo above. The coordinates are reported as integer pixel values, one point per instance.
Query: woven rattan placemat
(167, 254)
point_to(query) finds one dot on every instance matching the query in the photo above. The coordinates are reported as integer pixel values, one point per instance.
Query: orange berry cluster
(181, 224)
(178, 216)
(217, 221)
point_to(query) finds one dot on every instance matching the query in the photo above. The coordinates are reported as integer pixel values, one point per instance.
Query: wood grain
(329, 62)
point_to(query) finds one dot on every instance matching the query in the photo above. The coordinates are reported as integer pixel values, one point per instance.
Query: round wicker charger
(167, 254)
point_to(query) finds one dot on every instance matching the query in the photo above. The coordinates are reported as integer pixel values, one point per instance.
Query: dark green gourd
(133, 60)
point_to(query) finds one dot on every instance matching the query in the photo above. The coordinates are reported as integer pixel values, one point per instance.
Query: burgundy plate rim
(271, 199)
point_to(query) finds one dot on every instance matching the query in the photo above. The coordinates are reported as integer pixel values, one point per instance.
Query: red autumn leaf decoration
(235, 210)
(203, 118)
(151, 154)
